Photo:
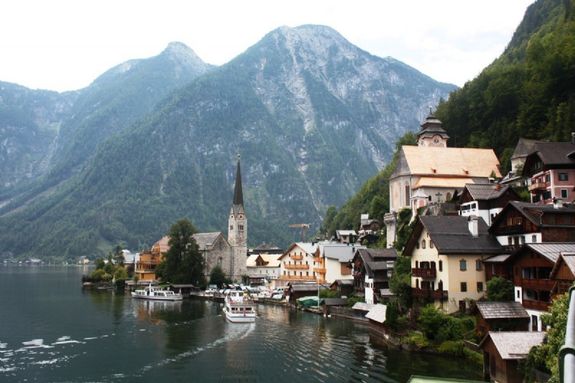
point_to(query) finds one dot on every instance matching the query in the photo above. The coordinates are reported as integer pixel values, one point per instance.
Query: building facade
(447, 255)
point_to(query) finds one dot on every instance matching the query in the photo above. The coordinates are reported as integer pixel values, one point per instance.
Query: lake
(53, 331)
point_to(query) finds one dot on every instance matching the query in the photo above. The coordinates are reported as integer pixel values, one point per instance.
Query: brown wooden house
(500, 316)
(533, 283)
(502, 352)
(563, 273)
(522, 223)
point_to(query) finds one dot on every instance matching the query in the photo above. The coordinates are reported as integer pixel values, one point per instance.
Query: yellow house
(447, 255)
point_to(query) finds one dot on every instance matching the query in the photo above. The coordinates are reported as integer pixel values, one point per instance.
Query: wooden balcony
(538, 186)
(424, 273)
(537, 284)
(296, 257)
(440, 295)
(535, 305)
(320, 270)
(296, 278)
(296, 267)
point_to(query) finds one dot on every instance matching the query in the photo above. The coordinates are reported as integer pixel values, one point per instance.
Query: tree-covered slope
(527, 92)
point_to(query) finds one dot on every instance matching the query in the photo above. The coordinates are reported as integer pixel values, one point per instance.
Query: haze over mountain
(312, 116)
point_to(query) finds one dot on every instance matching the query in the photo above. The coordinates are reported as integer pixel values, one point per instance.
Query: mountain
(29, 124)
(529, 91)
(312, 116)
(75, 123)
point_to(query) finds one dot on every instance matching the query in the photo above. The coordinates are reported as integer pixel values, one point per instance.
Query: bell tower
(238, 230)
(432, 133)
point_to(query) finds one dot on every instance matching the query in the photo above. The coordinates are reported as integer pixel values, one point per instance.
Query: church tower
(238, 230)
(432, 133)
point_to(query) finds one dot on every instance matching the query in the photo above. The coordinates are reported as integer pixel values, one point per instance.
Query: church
(229, 253)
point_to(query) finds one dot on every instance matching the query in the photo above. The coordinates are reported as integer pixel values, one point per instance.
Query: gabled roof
(307, 247)
(486, 192)
(549, 250)
(271, 259)
(502, 310)
(534, 213)
(552, 154)
(462, 162)
(376, 259)
(451, 235)
(340, 252)
(514, 344)
(207, 240)
(564, 258)
(524, 147)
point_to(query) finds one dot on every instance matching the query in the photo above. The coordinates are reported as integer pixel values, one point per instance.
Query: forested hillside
(529, 91)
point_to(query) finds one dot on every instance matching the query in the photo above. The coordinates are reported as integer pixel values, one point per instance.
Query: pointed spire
(238, 193)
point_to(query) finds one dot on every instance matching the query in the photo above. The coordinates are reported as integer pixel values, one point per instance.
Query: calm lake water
(52, 331)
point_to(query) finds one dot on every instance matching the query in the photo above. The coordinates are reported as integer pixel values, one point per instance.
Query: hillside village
(470, 227)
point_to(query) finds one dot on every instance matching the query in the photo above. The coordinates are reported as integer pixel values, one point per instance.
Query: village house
(369, 230)
(485, 200)
(263, 268)
(515, 176)
(336, 257)
(503, 351)
(563, 273)
(550, 169)
(433, 172)
(372, 269)
(345, 236)
(522, 223)
(299, 263)
(533, 284)
(447, 255)
(500, 316)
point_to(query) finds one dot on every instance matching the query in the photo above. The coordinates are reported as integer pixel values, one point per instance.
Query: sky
(66, 44)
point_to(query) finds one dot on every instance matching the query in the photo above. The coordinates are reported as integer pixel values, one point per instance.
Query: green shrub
(98, 275)
(474, 356)
(452, 347)
(417, 339)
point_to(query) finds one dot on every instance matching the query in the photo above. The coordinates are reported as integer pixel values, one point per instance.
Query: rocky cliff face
(312, 116)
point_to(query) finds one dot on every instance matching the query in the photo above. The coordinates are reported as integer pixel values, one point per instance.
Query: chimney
(473, 226)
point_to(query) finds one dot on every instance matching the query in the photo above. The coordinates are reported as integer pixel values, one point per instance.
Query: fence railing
(567, 352)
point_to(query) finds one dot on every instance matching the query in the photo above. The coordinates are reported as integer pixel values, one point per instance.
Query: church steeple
(238, 193)
(238, 230)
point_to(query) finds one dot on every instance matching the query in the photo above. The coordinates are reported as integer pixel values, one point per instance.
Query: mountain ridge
(310, 127)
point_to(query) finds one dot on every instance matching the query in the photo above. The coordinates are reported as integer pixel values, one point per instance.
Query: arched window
(462, 265)
(423, 244)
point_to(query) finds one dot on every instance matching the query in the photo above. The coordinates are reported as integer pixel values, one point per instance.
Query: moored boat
(239, 307)
(156, 294)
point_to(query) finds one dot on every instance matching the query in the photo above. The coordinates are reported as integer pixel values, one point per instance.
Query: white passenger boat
(239, 307)
(156, 294)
